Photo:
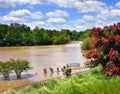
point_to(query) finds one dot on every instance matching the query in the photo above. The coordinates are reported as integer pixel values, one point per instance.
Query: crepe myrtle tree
(5, 69)
(106, 49)
(20, 66)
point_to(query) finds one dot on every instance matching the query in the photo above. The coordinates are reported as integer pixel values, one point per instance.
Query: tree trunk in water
(6, 75)
(18, 76)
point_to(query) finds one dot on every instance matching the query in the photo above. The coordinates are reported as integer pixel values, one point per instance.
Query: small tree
(5, 69)
(19, 66)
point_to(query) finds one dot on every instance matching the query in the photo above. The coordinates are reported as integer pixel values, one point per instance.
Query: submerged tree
(5, 69)
(20, 66)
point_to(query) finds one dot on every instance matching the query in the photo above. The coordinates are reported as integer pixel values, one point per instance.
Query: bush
(106, 49)
(86, 45)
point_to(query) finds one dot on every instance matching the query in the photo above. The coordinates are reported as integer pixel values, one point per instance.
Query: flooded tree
(5, 69)
(20, 66)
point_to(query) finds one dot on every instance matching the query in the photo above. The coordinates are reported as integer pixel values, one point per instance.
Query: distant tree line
(17, 34)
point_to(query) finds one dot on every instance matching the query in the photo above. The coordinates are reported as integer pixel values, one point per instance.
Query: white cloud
(65, 26)
(5, 3)
(89, 18)
(40, 24)
(17, 15)
(100, 23)
(57, 14)
(78, 27)
(37, 15)
(109, 14)
(82, 5)
(21, 14)
(117, 4)
(56, 20)
(14, 3)
(79, 21)
(57, 17)
(90, 6)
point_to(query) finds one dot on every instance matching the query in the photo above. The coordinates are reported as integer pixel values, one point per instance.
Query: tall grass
(93, 82)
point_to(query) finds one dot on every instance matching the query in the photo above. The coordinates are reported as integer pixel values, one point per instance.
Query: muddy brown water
(55, 56)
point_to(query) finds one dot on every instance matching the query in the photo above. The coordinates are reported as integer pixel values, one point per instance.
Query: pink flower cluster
(111, 54)
(106, 48)
(112, 69)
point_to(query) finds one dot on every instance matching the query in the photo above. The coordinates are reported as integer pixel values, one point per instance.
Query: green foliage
(87, 33)
(87, 83)
(17, 34)
(86, 45)
(18, 66)
(61, 39)
(5, 69)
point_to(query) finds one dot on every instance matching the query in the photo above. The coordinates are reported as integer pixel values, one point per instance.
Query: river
(43, 56)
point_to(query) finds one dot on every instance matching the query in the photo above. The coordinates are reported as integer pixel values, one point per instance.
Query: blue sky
(60, 14)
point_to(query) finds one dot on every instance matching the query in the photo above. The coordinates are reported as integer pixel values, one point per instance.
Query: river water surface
(43, 57)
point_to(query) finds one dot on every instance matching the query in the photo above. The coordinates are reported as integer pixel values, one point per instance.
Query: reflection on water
(43, 57)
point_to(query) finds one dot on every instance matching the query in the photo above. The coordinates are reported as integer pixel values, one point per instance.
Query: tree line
(17, 34)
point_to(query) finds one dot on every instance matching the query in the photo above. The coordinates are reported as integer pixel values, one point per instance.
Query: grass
(93, 82)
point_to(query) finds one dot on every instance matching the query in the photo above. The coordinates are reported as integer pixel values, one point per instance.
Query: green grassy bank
(93, 82)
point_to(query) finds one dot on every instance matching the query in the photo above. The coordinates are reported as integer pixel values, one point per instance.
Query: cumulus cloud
(109, 14)
(40, 24)
(81, 5)
(57, 14)
(17, 15)
(89, 18)
(6, 4)
(78, 21)
(56, 20)
(117, 4)
(100, 23)
(37, 15)
(21, 14)
(14, 3)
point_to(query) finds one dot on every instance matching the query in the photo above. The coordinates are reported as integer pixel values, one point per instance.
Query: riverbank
(12, 84)
(93, 82)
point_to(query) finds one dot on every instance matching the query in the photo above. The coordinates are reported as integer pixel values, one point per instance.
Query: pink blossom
(104, 40)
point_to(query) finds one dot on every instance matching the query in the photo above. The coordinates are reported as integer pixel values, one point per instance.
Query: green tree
(5, 69)
(19, 66)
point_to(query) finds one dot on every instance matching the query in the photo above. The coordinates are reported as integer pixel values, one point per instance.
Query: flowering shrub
(106, 48)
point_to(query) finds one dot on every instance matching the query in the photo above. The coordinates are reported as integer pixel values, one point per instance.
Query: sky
(60, 14)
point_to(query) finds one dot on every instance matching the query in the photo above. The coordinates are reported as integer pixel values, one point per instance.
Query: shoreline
(47, 77)
(36, 74)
